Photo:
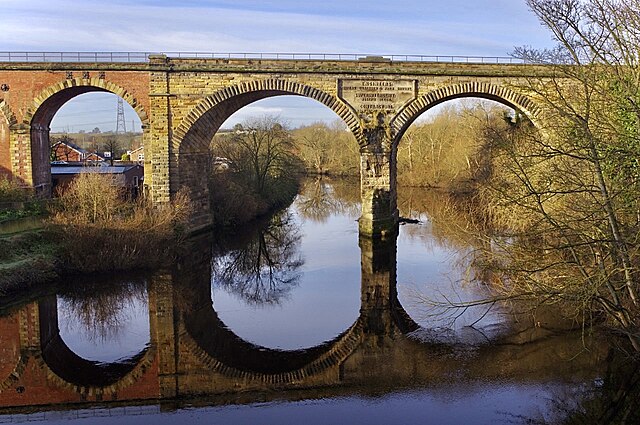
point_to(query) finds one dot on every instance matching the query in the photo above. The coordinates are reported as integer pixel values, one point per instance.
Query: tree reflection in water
(613, 399)
(320, 198)
(102, 305)
(265, 270)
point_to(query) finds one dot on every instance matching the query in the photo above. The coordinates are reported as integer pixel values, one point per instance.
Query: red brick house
(70, 152)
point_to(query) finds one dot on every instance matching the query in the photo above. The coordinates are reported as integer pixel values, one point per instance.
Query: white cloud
(90, 25)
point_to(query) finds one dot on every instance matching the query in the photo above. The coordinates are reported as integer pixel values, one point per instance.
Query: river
(296, 320)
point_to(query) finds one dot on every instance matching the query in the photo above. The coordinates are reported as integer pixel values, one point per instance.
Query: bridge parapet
(141, 57)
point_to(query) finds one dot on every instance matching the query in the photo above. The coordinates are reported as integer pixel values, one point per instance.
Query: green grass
(26, 259)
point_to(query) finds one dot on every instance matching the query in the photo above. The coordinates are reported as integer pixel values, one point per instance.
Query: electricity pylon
(121, 126)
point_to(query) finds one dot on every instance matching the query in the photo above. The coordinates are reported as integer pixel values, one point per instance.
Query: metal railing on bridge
(142, 57)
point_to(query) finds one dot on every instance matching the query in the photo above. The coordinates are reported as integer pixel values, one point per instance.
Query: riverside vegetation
(92, 228)
(255, 171)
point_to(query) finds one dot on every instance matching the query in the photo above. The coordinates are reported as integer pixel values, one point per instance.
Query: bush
(12, 191)
(99, 230)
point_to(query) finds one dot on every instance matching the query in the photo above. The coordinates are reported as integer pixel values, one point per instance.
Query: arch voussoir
(270, 85)
(495, 92)
(95, 83)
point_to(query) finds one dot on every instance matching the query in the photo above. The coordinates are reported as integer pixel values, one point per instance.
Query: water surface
(296, 320)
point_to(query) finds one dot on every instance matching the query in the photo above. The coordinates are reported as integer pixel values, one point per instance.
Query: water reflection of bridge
(193, 353)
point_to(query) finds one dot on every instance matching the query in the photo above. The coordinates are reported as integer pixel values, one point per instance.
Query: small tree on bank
(263, 170)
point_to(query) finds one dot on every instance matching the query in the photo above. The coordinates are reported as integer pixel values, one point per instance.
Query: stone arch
(68, 370)
(225, 353)
(210, 342)
(190, 142)
(43, 108)
(262, 89)
(501, 94)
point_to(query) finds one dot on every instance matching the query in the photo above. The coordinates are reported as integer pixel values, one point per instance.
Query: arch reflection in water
(374, 351)
(104, 320)
(192, 353)
(88, 342)
(305, 295)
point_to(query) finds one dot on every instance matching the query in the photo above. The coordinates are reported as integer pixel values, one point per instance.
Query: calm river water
(296, 321)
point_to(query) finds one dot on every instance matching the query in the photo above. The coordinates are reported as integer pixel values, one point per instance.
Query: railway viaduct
(182, 102)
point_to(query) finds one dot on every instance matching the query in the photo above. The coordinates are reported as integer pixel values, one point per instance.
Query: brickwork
(33, 98)
(183, 102)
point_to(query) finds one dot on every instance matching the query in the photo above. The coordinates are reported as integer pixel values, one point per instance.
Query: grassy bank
(92, 229)
(26, 259)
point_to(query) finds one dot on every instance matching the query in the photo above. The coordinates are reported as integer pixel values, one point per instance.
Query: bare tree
(261, 153)
(265, 270)
(111, 145)
(571, 189)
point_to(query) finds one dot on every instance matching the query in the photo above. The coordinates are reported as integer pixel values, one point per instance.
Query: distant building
(137, 155)
(127, 177)
(70, 152)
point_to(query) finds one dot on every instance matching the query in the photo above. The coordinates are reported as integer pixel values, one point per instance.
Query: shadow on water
(380, 362)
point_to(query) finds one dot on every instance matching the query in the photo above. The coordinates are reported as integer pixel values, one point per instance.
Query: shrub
(99, 230)
(12, 191)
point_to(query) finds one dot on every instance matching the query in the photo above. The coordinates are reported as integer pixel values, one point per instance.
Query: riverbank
(27, 259)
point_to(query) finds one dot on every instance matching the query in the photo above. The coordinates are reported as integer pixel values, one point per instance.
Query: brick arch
(67, 370)
(42, 110)
(500, 94)
(90, 378)
(77, 86)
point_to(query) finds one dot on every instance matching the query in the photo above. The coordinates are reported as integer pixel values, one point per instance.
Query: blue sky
(428, 27)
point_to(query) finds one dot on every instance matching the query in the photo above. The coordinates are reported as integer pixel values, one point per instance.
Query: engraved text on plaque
(379, 95)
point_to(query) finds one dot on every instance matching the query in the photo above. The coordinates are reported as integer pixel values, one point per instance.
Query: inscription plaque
(377, 95)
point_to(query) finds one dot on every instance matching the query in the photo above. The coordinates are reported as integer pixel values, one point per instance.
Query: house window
(140, 157)
(136, 181)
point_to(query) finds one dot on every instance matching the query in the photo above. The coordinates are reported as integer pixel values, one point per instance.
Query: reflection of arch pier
(182, 103)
